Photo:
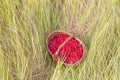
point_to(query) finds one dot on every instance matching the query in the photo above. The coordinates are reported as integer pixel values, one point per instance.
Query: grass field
(25, 24)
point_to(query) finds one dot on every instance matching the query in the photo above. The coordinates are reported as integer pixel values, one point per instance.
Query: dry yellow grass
(25, 24)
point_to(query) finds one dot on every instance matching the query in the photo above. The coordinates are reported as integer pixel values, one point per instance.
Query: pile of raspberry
(70, 53)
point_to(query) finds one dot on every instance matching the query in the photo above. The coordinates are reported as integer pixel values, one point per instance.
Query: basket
(63, 42)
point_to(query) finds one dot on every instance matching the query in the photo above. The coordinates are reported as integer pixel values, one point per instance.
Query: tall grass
(25, 24)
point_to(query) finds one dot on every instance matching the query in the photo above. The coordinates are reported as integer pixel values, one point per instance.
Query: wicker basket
(55, 57)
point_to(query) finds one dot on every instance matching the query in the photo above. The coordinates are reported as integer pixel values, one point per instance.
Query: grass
(25, 24)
